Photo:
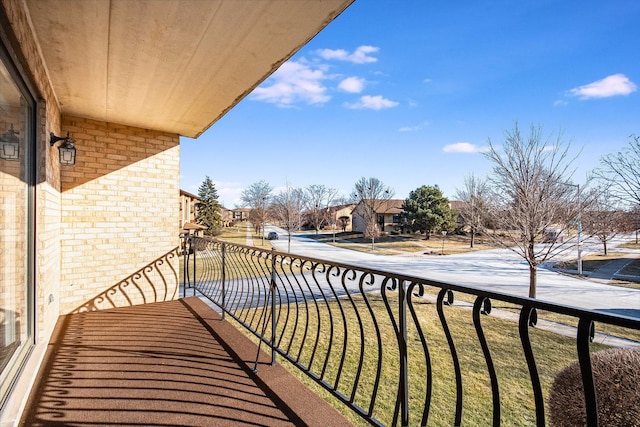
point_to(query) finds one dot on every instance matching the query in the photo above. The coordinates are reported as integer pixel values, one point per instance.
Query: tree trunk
(533, 280)
(473, 235)
(604, 242)
(426, 235)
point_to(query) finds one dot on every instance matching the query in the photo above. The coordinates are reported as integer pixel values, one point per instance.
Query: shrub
(616, 374)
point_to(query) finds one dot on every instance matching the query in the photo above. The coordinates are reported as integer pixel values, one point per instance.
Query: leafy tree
(473, 198)
(287, 207)
(208, 211)
(530, 193)
(373, 194)
(256, 196)
(427, 210)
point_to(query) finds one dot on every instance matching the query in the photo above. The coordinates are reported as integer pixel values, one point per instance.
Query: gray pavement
(497, 270)
(613, 270)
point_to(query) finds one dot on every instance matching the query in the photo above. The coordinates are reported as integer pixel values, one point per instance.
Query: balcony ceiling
(170, 65)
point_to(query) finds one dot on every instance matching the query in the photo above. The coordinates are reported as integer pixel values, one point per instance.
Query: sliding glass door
(17, 163)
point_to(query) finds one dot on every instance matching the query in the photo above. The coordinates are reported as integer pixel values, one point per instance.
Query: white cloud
(560, 103)
(614, 85)
(229, 193)
(292, 83)
(359, 56)
(372, 103)
(414, 128)
(352, 84)
(464, 147)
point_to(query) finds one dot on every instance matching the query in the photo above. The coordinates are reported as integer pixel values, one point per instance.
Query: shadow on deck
(170, 363)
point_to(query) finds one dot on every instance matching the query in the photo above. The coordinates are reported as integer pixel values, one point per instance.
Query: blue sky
(410, 92)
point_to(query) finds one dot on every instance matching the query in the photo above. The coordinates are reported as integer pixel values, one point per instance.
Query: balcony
(170, 363)
(385, 349)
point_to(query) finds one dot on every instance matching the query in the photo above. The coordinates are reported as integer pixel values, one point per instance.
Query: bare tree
(473, 198)
(319, 198)
(620, 172)
(373, 194)
(530, 193)
(256, 196)
(287, 207)
(631, 221)
(343, 223)
(603, 220)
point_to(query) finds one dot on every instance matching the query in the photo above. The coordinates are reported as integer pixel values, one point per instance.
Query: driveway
(498, 270)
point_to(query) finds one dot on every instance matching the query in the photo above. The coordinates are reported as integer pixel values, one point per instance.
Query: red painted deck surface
(165, 364)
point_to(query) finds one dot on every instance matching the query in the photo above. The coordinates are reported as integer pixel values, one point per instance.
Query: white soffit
(170, 65)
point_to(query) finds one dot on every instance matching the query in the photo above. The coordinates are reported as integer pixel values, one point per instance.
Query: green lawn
(553, 352)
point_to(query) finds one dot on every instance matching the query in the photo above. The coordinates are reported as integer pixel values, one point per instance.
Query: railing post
(194, 245)
(272, 286)
(402, 344)
(224, 276)
(185, 251)
(584, 337)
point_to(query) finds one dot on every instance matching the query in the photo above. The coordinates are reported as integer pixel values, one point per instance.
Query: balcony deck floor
(173, 363)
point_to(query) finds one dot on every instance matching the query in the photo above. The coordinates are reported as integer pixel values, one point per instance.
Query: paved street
(498, 270)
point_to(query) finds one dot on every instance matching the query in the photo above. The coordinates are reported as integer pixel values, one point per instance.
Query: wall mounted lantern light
(67, 149)
(10, 145)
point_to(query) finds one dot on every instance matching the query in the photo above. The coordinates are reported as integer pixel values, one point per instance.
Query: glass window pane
(15, 311)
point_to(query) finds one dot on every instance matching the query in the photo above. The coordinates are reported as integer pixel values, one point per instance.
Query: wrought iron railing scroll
(395, 349)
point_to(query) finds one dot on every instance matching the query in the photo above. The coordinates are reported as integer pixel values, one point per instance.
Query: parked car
(272, 235)
(552, 236)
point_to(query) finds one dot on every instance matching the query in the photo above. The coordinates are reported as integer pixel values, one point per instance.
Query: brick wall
(119, 210)
(105, 228)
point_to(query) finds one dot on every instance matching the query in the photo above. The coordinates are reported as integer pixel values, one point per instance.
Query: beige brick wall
(105, 228)
(119, 213)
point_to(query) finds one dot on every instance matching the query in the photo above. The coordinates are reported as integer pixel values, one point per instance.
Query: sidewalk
(612, 270)
(249, 236)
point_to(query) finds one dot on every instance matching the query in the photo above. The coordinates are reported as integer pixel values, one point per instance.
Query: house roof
(173, 65)
(391, 206)
(193, 226)
(187, 194)
(456, 204)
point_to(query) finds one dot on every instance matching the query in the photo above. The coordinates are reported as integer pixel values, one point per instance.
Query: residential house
(342, 214)
(115, 83)
(226, 216)
(188, 208)
(388, 214)
(458, 206)
(240, 214)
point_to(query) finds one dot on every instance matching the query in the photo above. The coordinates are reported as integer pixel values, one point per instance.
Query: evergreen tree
(427, 210)
(209, 209)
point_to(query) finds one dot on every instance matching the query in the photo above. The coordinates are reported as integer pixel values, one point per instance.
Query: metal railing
(394, 348)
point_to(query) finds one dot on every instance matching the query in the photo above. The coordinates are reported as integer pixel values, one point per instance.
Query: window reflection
(15, 117)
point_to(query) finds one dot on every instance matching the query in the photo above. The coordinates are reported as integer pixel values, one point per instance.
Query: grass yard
(552, 352)
(395, 244)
